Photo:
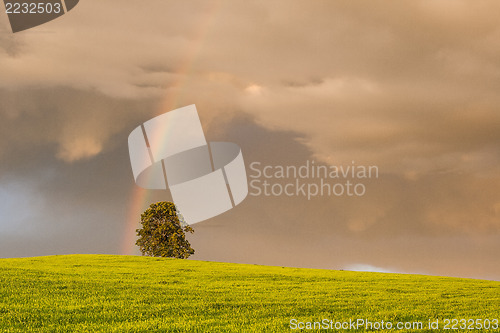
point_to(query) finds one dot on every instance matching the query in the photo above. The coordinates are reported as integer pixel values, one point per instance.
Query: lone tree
(163, 234)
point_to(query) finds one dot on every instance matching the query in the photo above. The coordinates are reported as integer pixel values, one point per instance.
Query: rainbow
(140, 198)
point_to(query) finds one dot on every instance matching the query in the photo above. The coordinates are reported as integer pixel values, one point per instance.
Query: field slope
(102, 293)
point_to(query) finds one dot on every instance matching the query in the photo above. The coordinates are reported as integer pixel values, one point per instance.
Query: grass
(102, 293)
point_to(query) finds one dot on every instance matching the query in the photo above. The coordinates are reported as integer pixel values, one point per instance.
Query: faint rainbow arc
(140, 197)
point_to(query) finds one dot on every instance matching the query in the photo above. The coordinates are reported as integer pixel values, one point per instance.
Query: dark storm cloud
(70, 196)
(390, 227)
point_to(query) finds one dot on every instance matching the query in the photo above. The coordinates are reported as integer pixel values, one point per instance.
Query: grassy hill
(102, 293)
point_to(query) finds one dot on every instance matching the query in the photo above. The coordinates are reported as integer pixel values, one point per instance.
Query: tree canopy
(163, 234)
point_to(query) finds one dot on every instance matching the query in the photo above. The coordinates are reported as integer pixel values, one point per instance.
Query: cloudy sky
(409, 86)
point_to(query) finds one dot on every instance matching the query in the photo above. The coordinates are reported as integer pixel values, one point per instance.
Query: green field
(102, 293)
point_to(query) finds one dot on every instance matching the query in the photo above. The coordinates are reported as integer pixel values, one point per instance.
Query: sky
(408, 86)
